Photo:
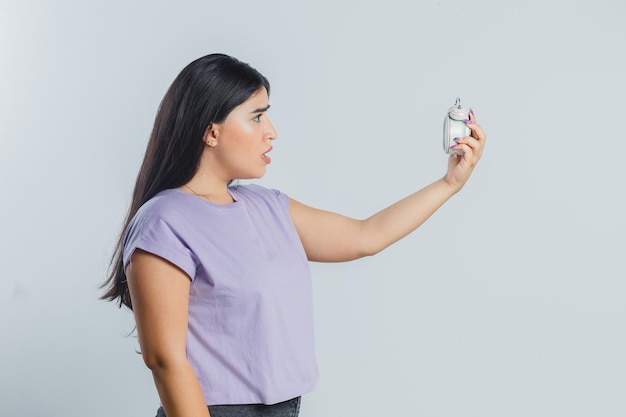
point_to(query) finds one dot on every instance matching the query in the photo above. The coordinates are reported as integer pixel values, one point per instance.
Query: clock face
(453, 129)
(446, 135)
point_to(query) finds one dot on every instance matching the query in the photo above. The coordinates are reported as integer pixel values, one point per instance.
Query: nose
(271, 133)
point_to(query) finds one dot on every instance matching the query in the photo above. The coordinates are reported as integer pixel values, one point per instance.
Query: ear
(211, 135)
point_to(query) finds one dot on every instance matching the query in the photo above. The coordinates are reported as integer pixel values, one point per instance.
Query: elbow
(153, 361)
(368, 242)
(370, 252)
(366, 249)
(159, 361)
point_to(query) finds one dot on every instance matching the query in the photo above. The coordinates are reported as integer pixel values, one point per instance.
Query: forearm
(398, 220)
(179, 390)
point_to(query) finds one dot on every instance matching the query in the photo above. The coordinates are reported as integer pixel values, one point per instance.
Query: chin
(252, 175)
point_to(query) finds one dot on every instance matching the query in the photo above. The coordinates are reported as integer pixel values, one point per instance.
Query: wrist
(452, 187)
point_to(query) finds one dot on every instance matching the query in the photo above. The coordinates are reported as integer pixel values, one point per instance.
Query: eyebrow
(261, 109)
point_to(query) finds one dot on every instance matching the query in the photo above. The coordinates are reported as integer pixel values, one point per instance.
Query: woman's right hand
(461, 167)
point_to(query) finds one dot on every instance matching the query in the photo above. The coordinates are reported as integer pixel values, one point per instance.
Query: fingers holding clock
(477, 130)
(470, 146)
(476, 140)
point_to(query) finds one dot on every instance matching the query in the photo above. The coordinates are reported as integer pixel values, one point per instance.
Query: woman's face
(244, 139)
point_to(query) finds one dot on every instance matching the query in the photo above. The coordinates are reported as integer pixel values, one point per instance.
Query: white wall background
(508, 302)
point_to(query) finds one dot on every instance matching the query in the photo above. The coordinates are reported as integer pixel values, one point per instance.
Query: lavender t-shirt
(250, 331)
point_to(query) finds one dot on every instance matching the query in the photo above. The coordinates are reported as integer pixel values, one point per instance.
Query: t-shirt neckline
(233, 193)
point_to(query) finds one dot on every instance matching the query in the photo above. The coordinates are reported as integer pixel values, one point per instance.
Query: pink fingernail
(471, 112)
(457, 139)
(469, 122)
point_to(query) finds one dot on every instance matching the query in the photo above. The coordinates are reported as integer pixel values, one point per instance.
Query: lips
(266, 158)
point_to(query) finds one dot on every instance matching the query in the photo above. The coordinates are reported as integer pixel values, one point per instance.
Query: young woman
(217, 275)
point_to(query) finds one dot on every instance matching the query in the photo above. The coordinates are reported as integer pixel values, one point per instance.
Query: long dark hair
(204, 92)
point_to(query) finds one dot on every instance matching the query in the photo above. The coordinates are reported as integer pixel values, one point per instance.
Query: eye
(257, 118)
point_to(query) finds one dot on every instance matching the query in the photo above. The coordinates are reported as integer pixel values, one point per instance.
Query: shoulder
(258, 193)
(162, 226)
(169, 207)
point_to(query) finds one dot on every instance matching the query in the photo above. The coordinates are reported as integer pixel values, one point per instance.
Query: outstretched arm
(331, 237)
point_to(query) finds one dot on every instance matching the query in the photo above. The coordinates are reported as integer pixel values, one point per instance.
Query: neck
(209, 182)
(210, 189)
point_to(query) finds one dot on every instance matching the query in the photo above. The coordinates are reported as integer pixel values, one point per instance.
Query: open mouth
(266, 158)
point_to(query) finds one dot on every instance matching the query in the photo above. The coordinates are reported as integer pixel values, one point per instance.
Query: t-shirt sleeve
(274, 197)
(283, 199)
(159, 237)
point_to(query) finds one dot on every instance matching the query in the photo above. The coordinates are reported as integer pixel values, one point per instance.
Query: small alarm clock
(454, 127)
